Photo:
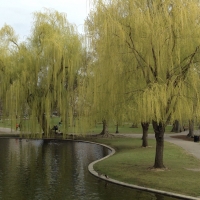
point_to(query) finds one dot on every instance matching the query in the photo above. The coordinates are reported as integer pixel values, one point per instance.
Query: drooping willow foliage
(8, 74)
(147, 59)
(41, 74)
(140, 64)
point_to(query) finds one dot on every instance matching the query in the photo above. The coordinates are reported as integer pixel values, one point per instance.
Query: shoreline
(6, 132)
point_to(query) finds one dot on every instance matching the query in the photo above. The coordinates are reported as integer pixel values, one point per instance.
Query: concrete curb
(93, 172)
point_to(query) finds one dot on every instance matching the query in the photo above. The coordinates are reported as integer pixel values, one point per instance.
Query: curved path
(192, 148)
(8, 130)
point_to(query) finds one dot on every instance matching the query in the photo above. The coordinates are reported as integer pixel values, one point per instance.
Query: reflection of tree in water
(56, 170)
(160, 197)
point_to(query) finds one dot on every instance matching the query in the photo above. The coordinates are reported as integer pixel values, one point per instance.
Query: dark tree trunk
(117, 128)
(177, 127)
(105, 128)
(43, 123)
(20, 125)
(159, 129)
(191, 129)
(145, 128)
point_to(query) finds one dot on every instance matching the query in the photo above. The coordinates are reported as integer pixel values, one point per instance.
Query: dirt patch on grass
(195, 170)
(183, 137)
(158, 169)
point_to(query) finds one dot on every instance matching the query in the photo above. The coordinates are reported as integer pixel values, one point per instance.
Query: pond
(57, 170)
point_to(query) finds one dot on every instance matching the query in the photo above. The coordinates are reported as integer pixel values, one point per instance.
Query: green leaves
(146, 47)
(38, 68)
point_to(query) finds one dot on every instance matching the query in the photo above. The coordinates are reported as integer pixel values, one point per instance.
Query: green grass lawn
(132, 163)
(125, 128)
(11, 123)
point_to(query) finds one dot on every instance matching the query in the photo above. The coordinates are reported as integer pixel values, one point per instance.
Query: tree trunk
(159, 129)
(105, 128)
(117, 128)
(191, 129)
(145, 128)
(43, 123)
(177, 127)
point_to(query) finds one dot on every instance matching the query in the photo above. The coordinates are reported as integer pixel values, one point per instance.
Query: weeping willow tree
(104, 84)
(99, 97)
(55, 56)
(8, 57)
(43, 72)
(149, 50)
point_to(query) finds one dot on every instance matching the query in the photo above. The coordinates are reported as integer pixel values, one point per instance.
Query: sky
(19, 13)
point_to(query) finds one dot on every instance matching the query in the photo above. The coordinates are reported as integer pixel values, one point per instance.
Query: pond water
(57, 170)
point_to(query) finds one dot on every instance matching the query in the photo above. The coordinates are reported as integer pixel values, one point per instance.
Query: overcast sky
(18, 13)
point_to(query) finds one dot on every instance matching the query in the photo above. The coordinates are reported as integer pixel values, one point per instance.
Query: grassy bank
(126, 128)
(131, 164)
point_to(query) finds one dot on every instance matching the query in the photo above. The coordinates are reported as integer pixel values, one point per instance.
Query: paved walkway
(8, 131)
(191, 147)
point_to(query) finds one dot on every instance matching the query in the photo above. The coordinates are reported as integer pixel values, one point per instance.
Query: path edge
(95, 173)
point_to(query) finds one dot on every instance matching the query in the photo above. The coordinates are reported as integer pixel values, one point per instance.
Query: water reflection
(50, 169)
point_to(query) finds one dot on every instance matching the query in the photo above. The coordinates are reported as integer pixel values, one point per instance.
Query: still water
(57, 170)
